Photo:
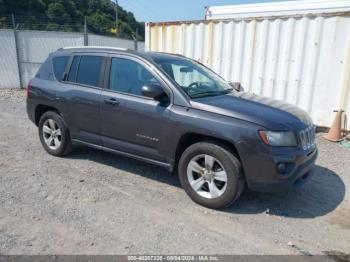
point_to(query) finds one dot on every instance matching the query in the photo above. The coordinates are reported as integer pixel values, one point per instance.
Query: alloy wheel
(207, 176)
(52, 134)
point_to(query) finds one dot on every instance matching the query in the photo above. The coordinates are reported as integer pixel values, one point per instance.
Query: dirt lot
(92, 202)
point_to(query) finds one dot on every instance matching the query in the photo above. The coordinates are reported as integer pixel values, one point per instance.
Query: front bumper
(260, 167)
(300, 175)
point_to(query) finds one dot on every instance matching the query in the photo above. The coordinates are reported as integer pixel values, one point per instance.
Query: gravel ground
(92, 202)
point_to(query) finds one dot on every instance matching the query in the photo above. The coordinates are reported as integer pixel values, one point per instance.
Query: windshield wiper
(212, 93)
(207, 93)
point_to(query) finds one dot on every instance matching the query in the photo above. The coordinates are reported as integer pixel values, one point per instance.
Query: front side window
(59, 65)
(86, 70)
(195, 79)
(128, 76)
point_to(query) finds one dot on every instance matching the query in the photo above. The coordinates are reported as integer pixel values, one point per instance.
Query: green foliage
(68, 15)
(57, 12)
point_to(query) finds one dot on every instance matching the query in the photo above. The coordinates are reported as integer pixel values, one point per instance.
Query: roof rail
(93, 47)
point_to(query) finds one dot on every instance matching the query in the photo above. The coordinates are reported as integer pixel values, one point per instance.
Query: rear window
(86, 70)
(59, 65)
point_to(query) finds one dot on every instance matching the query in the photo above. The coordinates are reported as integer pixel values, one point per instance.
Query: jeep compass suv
(174, 112)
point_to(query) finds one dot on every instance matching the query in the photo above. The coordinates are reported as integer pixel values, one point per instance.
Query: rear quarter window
(59, 66)
(45, 71)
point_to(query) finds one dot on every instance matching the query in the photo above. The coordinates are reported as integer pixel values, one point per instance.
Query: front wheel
(211, 175)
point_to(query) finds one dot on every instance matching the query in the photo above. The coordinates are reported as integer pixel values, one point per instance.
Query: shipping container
(302, 57)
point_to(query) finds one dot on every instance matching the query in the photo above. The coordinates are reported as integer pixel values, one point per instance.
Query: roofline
(94, 47)
(118, 49)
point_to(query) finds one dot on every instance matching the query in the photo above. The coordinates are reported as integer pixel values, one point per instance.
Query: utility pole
(116, 17)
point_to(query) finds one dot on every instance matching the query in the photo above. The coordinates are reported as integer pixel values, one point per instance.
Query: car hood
(269, 113)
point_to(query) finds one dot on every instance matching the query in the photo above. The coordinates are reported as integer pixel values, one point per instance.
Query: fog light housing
(282, 168)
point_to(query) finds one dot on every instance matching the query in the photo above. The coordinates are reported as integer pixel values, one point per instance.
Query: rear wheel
(211, 175)
(54, 134)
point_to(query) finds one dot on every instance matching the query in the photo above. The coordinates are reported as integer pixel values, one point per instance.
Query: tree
(68, 15)
(57, 12)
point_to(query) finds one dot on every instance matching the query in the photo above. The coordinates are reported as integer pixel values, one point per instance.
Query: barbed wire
(30, 22)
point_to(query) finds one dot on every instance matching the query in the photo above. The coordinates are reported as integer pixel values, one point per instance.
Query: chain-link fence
(96, 25)
(23, 49)
(26, 22)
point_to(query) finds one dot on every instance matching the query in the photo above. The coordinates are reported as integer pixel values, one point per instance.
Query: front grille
(307, 137)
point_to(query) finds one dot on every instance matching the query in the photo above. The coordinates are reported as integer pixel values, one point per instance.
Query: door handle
(112, 101)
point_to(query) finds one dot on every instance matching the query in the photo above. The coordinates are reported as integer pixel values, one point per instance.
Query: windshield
(195, 79)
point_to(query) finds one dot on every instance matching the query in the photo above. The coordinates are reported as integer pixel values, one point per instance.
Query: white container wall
(304, 59)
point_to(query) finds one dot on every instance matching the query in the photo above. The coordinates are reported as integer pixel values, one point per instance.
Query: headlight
(278, 138)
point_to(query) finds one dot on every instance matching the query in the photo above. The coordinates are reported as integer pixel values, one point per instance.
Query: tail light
(28, 88)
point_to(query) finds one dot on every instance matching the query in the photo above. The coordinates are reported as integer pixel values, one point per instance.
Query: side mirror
(237, 86)
(154, 91)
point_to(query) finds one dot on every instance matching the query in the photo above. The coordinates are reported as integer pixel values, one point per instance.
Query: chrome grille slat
(307, 137)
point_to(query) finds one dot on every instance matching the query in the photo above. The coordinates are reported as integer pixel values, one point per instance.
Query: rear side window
(86, 70)
(89, 70)
(59, 65)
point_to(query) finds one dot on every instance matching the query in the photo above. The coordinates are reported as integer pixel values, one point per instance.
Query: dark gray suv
(174, 112)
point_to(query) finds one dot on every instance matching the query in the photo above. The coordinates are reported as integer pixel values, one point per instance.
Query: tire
(224, 162)
(54, 122)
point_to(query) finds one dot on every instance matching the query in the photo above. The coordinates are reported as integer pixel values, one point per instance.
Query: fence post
(135, 44)
(17, 51)
(86, 37)
(135, 39)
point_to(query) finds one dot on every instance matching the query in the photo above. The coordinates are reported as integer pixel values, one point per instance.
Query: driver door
(131, 122)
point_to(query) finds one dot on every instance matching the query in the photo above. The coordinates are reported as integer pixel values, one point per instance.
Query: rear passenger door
(131, 122)
(80, 96)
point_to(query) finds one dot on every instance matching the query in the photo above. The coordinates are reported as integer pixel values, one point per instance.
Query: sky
(174, 10)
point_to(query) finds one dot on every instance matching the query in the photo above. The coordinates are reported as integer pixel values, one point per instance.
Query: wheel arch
(189, 139)
(42, 109)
